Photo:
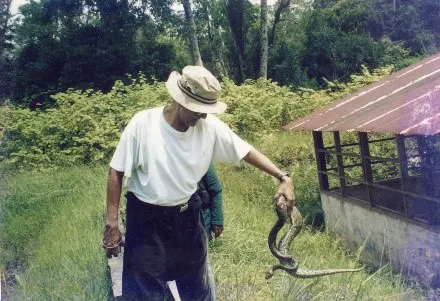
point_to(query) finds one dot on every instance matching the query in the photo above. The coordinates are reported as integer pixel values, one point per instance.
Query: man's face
(190, 118)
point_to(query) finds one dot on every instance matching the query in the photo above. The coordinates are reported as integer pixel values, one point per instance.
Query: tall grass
(52, 223)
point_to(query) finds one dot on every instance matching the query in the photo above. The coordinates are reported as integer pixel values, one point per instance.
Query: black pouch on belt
(203, 194)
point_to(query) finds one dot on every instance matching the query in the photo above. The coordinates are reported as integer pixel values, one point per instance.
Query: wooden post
(366, 163)
(404, 176)
(320, 160)
(340, 160)
(424, 150)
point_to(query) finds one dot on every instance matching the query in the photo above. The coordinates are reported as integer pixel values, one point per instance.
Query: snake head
(295, 266)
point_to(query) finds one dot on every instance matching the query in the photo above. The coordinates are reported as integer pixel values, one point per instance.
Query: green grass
(52, 223)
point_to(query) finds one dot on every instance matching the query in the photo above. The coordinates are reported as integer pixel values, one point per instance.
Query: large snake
(287, 262)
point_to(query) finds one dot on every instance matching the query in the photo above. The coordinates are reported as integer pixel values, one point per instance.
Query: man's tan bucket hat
(196, 89)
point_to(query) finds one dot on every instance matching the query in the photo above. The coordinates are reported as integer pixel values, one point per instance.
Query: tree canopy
(89, 44)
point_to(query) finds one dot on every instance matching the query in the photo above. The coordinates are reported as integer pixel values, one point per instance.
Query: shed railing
(413, 197)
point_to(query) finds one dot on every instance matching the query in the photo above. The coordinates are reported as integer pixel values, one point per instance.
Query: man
(210, 193)
(163, 153)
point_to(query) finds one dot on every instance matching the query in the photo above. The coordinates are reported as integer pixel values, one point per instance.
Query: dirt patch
(8, 280)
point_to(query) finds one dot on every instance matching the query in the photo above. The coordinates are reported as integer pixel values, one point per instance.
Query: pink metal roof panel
(406, 102)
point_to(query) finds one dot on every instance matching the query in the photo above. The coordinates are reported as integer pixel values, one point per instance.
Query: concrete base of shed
(411, 248)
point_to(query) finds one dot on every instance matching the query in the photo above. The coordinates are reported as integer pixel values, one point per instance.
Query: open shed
(378, 159)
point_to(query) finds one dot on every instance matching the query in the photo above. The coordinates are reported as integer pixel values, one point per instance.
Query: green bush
(84, 126)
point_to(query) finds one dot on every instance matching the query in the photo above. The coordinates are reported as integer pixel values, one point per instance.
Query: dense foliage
(84, 126)
(55, 45)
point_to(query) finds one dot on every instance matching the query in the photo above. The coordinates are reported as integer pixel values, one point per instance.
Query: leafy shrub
(84, 127)
(394, 53)
(257, 107)
(4, 120)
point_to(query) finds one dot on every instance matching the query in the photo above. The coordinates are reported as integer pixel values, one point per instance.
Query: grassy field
(52, 223)
(51, 228)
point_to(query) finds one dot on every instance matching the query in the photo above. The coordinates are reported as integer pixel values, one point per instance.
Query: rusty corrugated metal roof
(406, 102)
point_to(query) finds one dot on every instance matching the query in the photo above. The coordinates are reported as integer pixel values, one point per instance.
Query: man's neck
(171, 115)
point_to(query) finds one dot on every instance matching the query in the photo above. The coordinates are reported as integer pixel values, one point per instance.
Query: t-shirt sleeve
(228, 147)
(123, 158)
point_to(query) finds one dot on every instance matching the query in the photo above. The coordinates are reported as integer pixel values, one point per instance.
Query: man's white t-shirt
(163, 165)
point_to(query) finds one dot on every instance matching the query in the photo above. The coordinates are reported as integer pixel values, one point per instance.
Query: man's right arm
(114, 188)
(112, 236)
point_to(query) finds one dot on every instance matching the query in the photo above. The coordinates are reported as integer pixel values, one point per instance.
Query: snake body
(289, 263)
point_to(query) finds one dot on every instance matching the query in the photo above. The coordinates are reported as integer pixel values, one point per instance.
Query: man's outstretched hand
(285, 196)
(112, 241)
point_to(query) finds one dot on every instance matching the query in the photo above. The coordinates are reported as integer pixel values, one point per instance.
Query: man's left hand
(217, 230)
(285, 196)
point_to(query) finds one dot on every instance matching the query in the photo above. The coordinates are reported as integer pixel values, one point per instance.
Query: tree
(338, 42)
(235, 13)
(5, 44)
(194, 45)
(57, 49)
(210, 23)
(263, 40)
(39, 52)
(281, 6)
(5, 17)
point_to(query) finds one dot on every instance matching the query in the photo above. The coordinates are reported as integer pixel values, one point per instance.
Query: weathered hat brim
(189, 102)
